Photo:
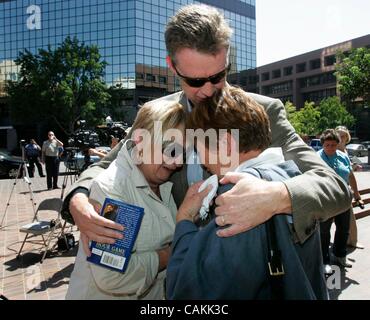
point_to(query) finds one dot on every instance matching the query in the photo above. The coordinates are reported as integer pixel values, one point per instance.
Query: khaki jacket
(317, 195)
(141, 280)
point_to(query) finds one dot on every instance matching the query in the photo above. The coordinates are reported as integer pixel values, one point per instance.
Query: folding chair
(42, 227)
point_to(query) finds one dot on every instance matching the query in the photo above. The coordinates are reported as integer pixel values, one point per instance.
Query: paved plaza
(26, 279)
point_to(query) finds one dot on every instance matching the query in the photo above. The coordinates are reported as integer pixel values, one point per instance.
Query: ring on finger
(223, 220)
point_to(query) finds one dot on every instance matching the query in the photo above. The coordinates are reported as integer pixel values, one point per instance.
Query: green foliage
(353, 74)
(305, 120)
(60, 85)
(333, 114)
(290, 109)
(312, 120)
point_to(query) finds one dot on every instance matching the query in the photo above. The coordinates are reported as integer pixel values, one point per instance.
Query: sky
(286, 28)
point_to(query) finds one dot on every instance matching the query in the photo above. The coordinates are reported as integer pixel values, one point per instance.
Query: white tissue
(213, 181)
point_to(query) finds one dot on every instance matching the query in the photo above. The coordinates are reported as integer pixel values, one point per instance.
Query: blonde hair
(170, 114)
(343, 129)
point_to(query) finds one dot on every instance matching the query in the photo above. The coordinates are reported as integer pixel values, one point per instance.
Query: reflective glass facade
(130, 35)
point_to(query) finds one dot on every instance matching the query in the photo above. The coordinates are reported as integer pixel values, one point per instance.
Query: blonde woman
(345, 138)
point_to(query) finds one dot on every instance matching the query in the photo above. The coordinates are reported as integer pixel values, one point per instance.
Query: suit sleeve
(319, 193)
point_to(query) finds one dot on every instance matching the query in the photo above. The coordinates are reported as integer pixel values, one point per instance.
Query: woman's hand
(189, 209)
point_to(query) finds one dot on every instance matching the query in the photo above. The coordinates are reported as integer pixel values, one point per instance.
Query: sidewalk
(27, 279)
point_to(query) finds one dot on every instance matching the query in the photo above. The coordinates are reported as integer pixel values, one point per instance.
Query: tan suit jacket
(316, 195)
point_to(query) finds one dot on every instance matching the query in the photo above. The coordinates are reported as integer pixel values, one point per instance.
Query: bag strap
(275, 264)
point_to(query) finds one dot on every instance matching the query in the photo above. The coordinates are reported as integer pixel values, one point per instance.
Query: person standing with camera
(33, 150)
(50, 157)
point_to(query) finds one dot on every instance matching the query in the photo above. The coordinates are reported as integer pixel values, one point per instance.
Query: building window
(139, 76)
(301, 67)
(276, 74)
(329, 60)
(315, 64)
(162, 80)
(265, 76)
(278, 88)
(252, 80)
(318, 96)
(288, 71)
(150, 77)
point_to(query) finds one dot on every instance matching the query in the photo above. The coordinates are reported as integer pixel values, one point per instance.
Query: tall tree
(63, 85)
(353, 74)
(333, 113)
(305, 121)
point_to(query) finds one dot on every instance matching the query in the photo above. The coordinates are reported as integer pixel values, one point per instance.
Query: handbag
(66, 242)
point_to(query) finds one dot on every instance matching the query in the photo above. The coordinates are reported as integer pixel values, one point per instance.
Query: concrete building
(306, 77)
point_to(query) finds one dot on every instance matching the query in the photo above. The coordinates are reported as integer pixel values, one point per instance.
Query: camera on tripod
(81, 141)
(83, 138)
(112, 129)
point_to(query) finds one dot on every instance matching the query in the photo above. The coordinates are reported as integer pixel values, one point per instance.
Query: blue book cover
(116, 256)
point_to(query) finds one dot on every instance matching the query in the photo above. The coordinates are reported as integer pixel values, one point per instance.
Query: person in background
(50, 157)
(101, 153)
(33, 151)
(345, 138)
(341, 164)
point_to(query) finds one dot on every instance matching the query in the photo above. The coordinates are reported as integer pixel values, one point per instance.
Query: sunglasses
(200, 82)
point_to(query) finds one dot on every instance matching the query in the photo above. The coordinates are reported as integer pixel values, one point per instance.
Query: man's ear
(170, 64)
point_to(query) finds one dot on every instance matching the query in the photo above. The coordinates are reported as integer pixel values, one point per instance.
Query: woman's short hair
(199, 27)
(234, 109)
(170, 114)
(342, 130)
(329, 134)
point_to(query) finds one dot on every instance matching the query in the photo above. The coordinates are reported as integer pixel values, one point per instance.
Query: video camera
(83, 138)
(112, 129)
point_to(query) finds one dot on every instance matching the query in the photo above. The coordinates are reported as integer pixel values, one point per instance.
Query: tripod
(72, 172)
(21, 172)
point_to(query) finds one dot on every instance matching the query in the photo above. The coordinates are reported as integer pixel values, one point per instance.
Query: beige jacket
(317, 195)
(124, 181)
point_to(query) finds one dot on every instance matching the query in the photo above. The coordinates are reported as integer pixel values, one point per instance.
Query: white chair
(43, 227)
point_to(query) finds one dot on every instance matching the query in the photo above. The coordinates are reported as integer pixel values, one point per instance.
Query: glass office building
(130, 35)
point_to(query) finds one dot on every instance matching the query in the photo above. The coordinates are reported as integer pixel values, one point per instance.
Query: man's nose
(208, 89)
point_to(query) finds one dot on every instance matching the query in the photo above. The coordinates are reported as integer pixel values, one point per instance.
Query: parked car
(358, 150)
(315, 144)
(9, 164)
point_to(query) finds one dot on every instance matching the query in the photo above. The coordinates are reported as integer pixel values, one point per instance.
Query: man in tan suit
(198, 43)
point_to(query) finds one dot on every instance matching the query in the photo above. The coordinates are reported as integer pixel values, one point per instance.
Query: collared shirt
(339, 162)
(50, 148)
(124, 181)
(271, 156)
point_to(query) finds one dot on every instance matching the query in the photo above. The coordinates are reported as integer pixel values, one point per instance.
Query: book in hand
(116, 256)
